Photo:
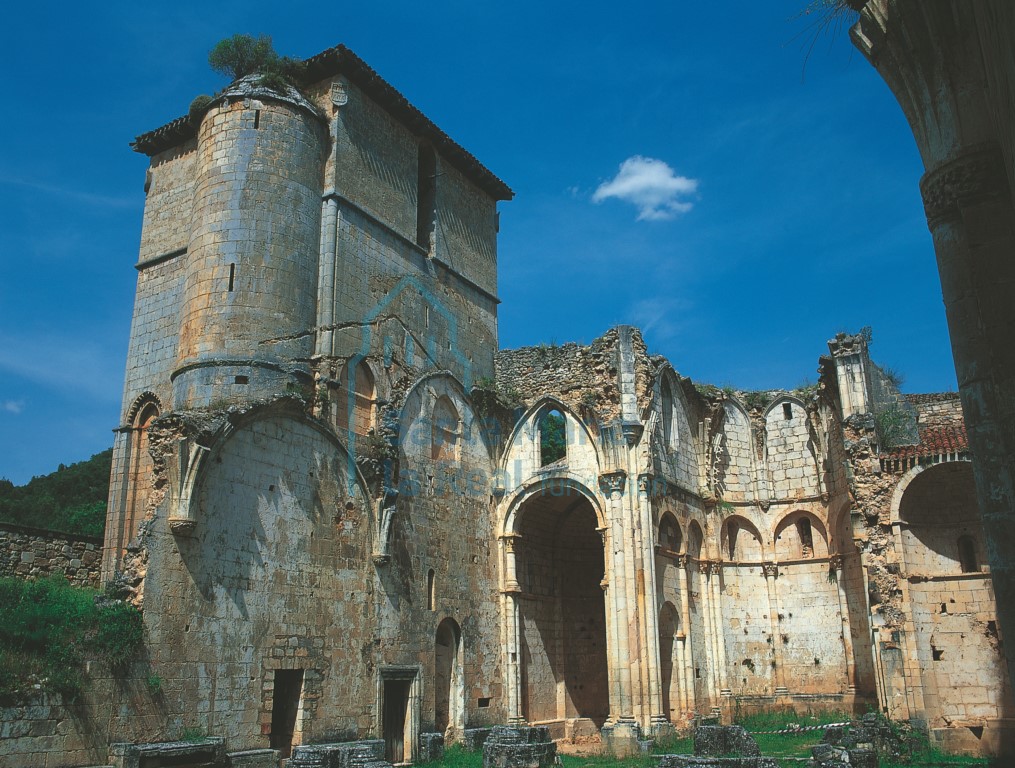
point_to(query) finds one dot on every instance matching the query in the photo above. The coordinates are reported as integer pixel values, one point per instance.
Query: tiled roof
(934, 440)
(340, 60)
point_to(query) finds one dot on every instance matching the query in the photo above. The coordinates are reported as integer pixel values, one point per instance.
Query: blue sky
(681, 166)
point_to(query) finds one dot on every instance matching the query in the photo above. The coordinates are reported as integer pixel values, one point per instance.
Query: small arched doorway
(449, 685)
(560, 565)
(669, 623)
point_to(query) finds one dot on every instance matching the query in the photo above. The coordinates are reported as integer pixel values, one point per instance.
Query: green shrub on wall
(48, 629)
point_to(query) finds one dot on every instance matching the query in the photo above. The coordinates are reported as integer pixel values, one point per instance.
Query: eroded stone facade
(346, 514)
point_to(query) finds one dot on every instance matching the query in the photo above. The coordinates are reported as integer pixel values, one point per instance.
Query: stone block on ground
(253, 758)
(523, 747)
(203, 753)
(474, 738)
(724, 740)
(431, 747)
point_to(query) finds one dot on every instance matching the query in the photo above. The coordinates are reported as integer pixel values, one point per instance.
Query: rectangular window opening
(241, 380)
(787, 411)
(232, 276)
(257, 119)
(484, 702)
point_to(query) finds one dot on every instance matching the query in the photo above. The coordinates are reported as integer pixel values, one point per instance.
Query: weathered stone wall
(29, 553)
(789, 451)
(394, 302)
(277, 569)
(442, 522)
(45, 731)
(375, 162)
(735, 467)
(169, 198)
(252, 259)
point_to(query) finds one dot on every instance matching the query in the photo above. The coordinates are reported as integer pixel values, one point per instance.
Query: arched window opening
(669, 534)
(444, 431)
(355, 412)
(967, 555)
(669, 428)
(552, 438)
(431, 590)
(803, 527)
(139, 481)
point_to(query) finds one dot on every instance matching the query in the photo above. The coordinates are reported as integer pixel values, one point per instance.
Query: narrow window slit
(232, 276)
(257, 119)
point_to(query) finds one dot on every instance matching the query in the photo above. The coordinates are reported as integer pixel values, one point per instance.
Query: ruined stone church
(347, 513)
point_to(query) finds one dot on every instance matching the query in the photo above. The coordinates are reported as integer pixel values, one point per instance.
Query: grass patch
(47, 630)
(792, 745)
(608, 761)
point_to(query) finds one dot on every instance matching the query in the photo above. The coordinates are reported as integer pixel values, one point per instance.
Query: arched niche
(800, 535)
(445, 431)
(740, 540)
(669, 536)
(356, 399)
(789, 449)
(939, 519)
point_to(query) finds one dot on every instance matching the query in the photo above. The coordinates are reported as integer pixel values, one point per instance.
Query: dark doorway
(396, 703)
(284, 708)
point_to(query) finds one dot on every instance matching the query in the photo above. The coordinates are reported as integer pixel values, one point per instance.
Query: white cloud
(661, 318)
(651, 185)
(12, 406)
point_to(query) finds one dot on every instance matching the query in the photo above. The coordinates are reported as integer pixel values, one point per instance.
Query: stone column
(612, 484)
(513, 645)
(687, 660)
(835, 565)
(771, 571)
(658, 721)
(950, 66)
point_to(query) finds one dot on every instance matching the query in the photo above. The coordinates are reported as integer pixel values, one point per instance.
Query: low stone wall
(29, 553)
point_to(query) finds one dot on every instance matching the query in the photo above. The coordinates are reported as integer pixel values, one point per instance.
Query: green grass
(48, 629)
(779, 746)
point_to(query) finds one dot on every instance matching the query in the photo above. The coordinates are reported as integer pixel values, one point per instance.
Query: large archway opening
(562, 621)
(953, 608)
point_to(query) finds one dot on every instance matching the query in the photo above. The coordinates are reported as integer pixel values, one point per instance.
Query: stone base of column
(661, 729)
(621, 738)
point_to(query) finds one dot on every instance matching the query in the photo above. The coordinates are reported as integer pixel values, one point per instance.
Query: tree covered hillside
(72, 499)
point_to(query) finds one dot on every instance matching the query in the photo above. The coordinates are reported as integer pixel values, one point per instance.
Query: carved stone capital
(682, 561)
(182, 526)
(975, 175)
(613, 482)
(511, 542)
(771, 570)
(644, 484)
(835, 562)
(709, 567)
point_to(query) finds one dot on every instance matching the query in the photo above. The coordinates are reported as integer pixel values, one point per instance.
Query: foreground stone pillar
(950, 64)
